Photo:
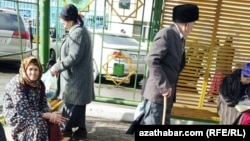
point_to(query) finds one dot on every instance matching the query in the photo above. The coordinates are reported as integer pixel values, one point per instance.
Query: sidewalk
(109, 122)
(99, 129)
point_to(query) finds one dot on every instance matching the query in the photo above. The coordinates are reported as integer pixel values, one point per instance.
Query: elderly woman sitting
(25, 106)
(234, 89)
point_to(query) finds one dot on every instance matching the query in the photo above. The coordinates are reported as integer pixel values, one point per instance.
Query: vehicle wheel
(52, 55)
(138, 80)
(96, 73)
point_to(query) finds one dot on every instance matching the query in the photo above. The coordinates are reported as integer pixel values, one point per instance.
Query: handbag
(136, 122)
(139, 113)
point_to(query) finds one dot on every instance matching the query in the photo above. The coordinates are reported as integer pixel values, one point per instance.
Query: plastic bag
(50, 83)
(139, 109)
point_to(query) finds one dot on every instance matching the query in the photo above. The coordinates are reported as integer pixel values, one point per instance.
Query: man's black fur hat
(185, 13)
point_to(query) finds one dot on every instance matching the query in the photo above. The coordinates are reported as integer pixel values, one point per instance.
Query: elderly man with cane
(165, 60)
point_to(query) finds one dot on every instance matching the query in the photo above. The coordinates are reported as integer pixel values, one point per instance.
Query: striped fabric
(228, 115)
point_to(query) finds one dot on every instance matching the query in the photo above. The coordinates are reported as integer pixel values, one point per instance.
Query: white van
(11, 46)
(108, 44)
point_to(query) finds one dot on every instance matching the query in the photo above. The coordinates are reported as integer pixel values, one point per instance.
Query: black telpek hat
(185, 13)
(69, 13)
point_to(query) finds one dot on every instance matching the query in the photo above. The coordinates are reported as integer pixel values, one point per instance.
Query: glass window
(10, 22)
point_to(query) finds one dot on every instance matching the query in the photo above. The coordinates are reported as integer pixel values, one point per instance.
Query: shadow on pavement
(9, 66)
(100, 129)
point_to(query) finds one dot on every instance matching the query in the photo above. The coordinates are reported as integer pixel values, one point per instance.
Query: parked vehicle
(108, 44)
(11, 44)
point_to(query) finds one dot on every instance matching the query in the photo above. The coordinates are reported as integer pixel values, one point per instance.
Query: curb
(126, 113)
(110, 111)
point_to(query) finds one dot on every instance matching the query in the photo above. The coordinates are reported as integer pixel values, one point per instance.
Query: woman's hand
(53, 72)
(56, 117)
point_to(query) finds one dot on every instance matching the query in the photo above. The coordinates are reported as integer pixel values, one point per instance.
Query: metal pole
(156, 18)
(37, 29)
(155, 23)
(19, 30)
(44, 41)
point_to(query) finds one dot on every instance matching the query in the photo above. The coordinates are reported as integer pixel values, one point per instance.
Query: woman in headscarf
(76, 73)
(25, 106)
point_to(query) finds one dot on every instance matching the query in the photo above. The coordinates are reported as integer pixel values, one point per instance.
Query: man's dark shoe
(67, 134)
(79, 137)
(80, 134)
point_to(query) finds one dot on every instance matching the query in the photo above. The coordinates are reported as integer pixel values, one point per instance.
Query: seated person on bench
(233, 89)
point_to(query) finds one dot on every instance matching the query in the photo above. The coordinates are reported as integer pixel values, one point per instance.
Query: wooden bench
(209, 115)
(190, 106)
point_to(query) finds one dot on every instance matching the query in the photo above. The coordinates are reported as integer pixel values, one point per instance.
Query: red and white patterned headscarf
(23, 71)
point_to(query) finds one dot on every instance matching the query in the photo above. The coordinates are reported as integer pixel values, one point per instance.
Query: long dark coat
(165, 61)
(76, 67)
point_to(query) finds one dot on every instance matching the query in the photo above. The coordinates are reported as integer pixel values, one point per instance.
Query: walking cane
(164, 109)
